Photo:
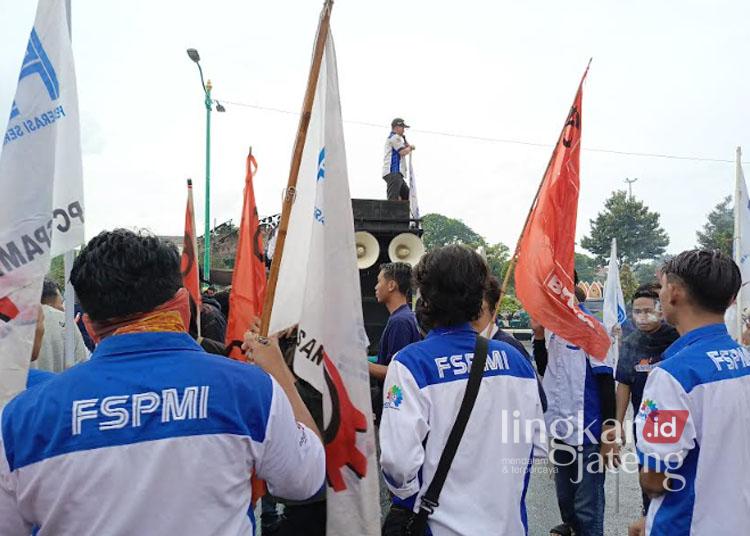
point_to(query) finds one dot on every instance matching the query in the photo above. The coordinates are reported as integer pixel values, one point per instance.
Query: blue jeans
(579, 482)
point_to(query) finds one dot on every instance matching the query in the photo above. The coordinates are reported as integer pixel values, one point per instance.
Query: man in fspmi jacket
(485, 489)
(152, 435)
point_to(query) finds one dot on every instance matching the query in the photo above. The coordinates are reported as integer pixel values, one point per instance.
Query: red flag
(189, 261)
(249, 278)
(544, 275)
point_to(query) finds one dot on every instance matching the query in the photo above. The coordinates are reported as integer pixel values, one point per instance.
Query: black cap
(398, 122)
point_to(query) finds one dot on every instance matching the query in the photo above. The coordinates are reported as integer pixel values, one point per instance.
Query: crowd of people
(152, 430)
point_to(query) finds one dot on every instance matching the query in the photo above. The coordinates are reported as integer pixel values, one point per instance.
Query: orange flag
(189, 260)
(249, 278)
(544, 274)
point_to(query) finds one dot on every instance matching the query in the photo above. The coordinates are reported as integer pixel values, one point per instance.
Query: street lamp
(194, 56)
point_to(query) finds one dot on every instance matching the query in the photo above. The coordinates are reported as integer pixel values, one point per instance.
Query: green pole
(207, 231)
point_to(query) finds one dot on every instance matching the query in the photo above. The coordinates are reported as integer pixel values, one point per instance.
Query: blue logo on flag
(322, 164)
(37, 62)
(621, 317)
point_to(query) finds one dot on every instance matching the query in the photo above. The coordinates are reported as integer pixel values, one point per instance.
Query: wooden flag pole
(299, 145)
(513, 259)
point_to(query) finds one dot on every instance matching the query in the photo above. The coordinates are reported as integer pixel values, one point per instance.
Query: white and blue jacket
(151, 436)
(694, 425)
(485, 490)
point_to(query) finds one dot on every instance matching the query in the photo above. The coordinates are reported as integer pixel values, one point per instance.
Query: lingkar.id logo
(662, 425)
(395, 396)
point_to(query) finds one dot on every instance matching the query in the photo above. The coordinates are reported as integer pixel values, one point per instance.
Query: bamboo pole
(514, 259)
(299, 145)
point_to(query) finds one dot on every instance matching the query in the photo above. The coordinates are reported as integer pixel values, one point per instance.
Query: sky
(667, 77)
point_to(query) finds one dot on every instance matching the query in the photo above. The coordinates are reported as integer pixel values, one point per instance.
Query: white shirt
(694, 426)
(52, 352)
(485, 490)
(152, 436)
(573, 405)
(393, 162)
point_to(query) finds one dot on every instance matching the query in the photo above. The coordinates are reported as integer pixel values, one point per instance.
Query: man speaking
(152, 435)
(394, 163)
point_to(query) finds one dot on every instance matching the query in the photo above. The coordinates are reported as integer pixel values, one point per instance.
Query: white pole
(70, 295)
(738, 237)
(70, 324)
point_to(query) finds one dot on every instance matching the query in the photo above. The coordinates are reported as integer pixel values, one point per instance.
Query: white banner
(41, 183)
(318, 288)
(413, 203)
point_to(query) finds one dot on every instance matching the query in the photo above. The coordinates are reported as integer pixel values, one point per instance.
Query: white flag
(40, 186)
(413, 204)
(741, 246)
(318, 289)
(614, 303)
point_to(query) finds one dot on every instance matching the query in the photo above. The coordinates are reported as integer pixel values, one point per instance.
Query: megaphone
(406, 247)
(368, 249)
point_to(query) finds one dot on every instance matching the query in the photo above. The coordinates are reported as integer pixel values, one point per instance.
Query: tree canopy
(637, 230)
(718, 231)
(441, 230)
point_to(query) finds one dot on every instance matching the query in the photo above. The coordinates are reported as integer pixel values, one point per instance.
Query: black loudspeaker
(384, 220)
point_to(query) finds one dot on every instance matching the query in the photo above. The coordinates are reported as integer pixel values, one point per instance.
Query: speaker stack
(384, 233)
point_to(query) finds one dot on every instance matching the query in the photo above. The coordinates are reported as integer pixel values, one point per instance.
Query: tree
(57, 271)
(637, 230)
(509, 304)
(718, 231)
(586, 267)
(441, 230)
(628, 283)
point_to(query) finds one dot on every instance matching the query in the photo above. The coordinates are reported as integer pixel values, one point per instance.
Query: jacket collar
(132, 343)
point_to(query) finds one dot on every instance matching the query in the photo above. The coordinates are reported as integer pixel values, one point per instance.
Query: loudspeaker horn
(368, 249)
(406, 247)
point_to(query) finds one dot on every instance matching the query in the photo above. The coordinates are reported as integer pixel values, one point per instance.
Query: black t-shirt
(639, 354)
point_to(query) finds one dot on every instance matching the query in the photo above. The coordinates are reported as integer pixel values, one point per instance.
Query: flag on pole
(739, 312)
(318, 289)
(189, 260)
(614, 302)
(544, 275)
(249, 277)
(413, 204)
(41, 184)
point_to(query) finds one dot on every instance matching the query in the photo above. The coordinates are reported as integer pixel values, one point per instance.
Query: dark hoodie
(639, 354)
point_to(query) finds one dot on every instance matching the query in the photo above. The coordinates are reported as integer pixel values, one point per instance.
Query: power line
(500, 140)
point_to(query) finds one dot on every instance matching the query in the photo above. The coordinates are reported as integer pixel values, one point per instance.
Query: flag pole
(738, 237)
(299, 145)
(69, 293)
(513, 259)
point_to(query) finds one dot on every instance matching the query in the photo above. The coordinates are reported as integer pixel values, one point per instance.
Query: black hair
(119, 273)
(400, 272)
(451, 282)
(649, 290)
(492, 292)
(580, 294)
(50, 290)
(711, 278)
(222, 297)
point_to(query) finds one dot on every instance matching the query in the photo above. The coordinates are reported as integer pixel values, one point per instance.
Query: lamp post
(208, 102)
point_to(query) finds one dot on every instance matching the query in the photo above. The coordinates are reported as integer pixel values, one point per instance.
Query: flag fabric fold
(41, 184)
(545, 269)
(189, 259)
(738, 314)
(318, 289)
(614, 303)
(249, 277)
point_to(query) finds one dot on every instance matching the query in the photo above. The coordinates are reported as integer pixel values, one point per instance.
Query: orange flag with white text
(249, 278)
(546, 259)
(189, 260)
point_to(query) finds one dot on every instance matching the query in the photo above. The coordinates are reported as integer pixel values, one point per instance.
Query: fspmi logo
(129, 410)
(36, 63)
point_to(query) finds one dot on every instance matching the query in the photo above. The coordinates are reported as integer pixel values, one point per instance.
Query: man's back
(701, 392)
(485, 488)
(152, 436)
